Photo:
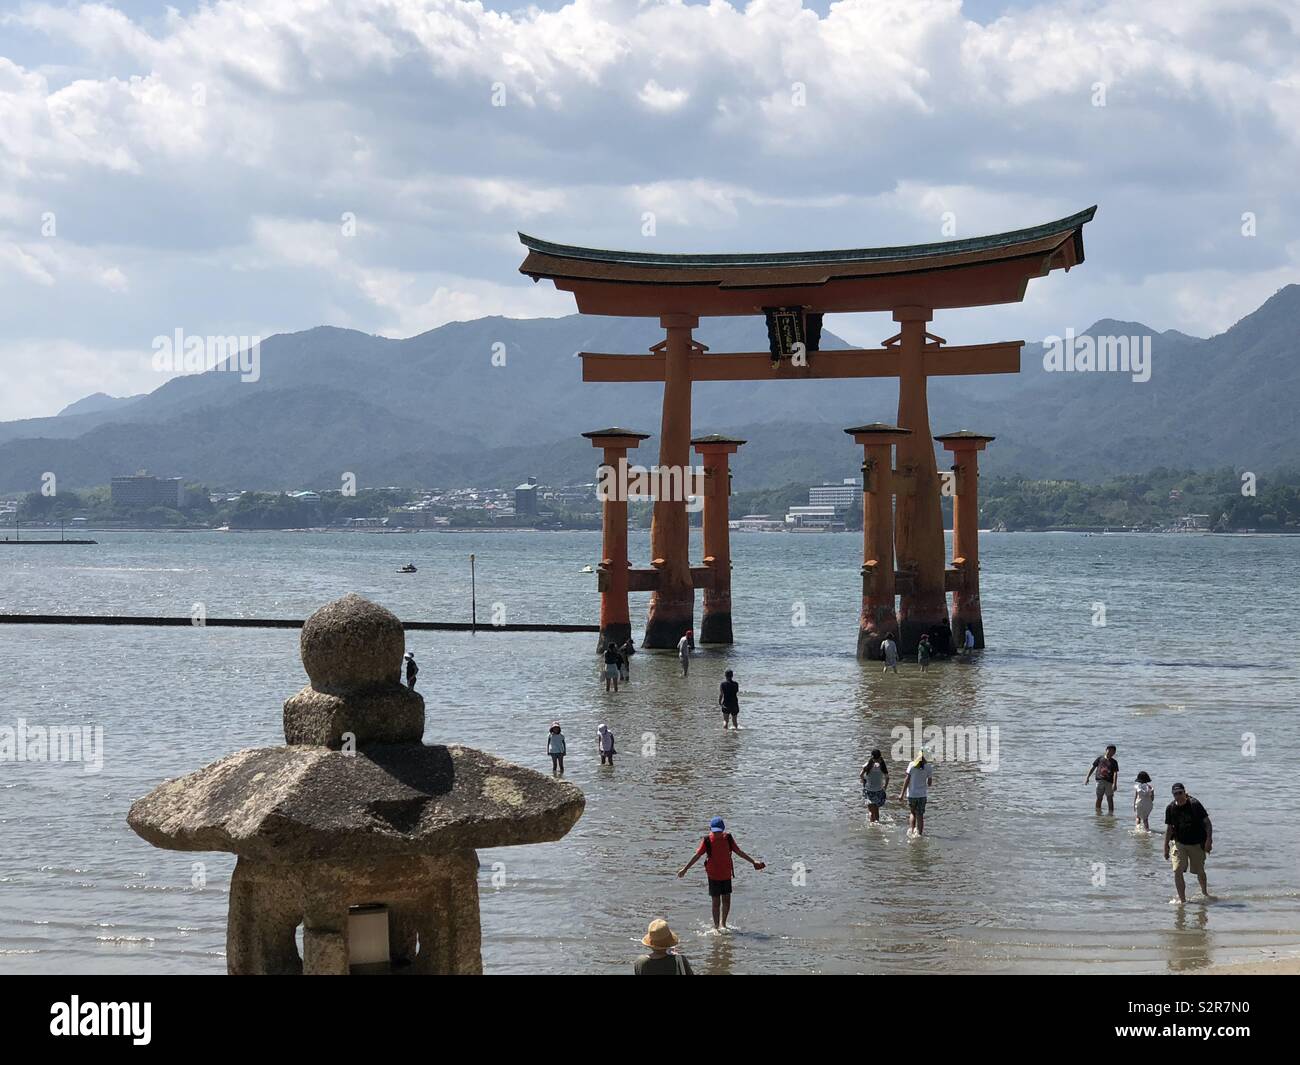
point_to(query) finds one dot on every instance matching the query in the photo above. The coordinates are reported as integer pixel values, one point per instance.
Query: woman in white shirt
(875, 784)
(1144, 797)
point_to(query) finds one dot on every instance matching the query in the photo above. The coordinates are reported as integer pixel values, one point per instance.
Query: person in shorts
(1189, 837)
(1107, 770)
(556, 748)
(716, 849)
(613, 665)
(875, 783)
(729, 700)
(916, 786)
(605, 745)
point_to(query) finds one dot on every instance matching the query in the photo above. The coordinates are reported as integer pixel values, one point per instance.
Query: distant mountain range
(437, 410)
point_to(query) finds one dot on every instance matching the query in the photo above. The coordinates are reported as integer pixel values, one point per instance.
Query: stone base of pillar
(715, 627)
(875, 623)
(616, 632)
(918, 617)
(671, 614)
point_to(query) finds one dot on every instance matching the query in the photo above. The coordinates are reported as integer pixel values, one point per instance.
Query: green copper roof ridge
(811, 258)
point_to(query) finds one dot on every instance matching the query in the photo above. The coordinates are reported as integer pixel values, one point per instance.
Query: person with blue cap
(716, 849)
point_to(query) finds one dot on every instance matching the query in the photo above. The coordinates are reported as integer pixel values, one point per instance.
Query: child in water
(555, 747)
(1144, 797)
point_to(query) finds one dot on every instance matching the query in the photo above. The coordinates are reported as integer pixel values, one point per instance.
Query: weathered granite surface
(352, 651)
(322, 825)
(297, 803)
(351, 644)
(390, 713)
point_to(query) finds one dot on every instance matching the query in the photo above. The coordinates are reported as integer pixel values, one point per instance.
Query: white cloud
(199, 164)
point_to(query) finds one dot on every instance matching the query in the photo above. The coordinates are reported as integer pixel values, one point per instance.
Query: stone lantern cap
(308, 803)
(355, 780)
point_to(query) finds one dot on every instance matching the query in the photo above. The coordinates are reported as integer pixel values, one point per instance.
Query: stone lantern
(355, 817)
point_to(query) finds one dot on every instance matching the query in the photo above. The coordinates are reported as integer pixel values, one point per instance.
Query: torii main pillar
(966, 614)
(672, 603)
(715, 622)
(918, 517)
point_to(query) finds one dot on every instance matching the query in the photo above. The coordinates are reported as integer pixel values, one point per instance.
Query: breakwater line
(269, 623)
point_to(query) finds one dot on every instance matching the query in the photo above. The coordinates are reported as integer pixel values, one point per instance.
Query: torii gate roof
(974, 272)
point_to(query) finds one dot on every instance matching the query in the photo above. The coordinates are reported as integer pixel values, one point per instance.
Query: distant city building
(814, 517)
(756, 523)
(843, 496)
(144, 490)
(306, 497)
(526, 498)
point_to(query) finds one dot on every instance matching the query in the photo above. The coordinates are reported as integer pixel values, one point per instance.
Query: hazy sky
(192, 165)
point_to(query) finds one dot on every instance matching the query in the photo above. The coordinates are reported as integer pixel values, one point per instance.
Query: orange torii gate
(793, 290)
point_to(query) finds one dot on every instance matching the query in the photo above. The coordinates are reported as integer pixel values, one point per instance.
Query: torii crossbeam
(793, 290)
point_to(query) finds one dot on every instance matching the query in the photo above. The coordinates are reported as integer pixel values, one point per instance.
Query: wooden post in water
(715, 621)
(918, 519)
(612, 567)
(879, 617)
(672, 603)
(966, 614)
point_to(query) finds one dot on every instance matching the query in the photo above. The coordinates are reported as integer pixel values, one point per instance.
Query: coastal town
(1174, 503)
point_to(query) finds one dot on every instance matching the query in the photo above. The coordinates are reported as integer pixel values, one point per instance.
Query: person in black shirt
(613, 665)
(1107, 770)
(729, 700)
(1189, 837)
(411, 670)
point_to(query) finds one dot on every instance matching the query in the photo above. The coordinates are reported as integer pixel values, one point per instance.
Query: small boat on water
(587, 569)
(408, 568)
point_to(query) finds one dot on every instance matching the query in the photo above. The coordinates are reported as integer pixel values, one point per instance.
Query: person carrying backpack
(716, 849)
(1107, 770)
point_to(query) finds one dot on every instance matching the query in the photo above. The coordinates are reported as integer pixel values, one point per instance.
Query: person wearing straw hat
(716, 849)
(661, 961)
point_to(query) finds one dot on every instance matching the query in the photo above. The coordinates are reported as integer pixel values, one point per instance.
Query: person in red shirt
(716, 849)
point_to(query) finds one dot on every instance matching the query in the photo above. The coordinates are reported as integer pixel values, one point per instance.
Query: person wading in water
(613, 665)
(716, 849)
(916, 786)
(875, 783)
(729, 700)
(1107, 770)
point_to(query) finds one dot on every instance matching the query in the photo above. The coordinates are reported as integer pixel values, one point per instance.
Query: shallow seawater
(1193, 676)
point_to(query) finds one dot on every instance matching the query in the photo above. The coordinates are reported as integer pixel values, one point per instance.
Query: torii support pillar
(878, 617)
(918, 520)
(715, 624)
(965, 447)
(672, 603)
(612, 579)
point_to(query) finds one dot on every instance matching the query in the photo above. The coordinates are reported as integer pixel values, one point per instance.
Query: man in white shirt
(684, 653)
